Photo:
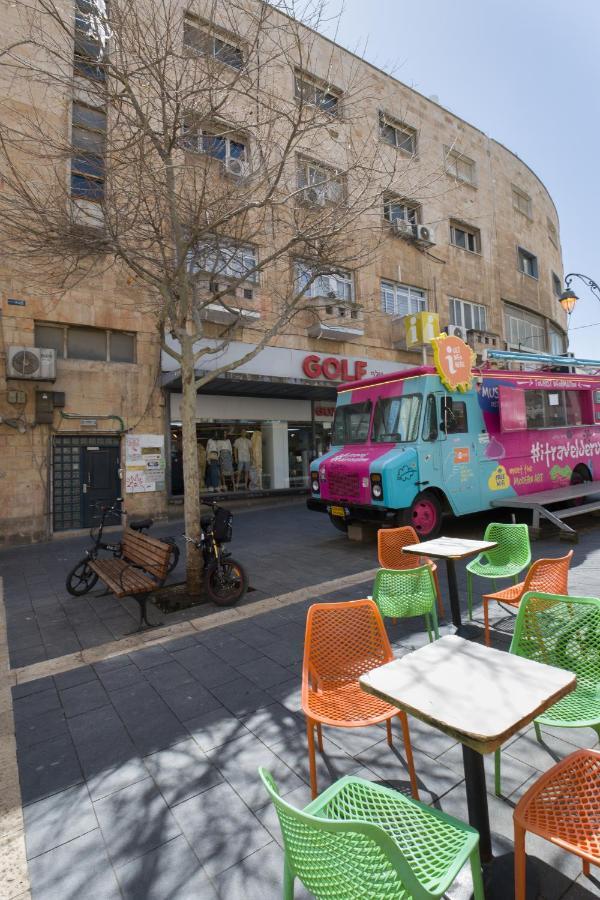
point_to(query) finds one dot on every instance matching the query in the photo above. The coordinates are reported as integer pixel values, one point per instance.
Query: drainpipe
(65, 415)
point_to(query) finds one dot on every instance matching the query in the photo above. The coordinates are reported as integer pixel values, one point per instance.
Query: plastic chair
(390, 552)
(548, 575)
(360, 840)
(563, 632)
(342, 642)
(563, 807)
(507, 560)
(403, 593)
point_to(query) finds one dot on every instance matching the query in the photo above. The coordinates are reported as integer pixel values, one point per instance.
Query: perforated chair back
(343, 641)
(404, 593)
(513, 551)
(390, 546)
(551, 576)
(564, 632)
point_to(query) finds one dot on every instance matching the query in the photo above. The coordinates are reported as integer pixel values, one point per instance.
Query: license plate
(338, 511)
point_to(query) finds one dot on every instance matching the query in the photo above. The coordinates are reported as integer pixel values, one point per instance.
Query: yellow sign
(499, 480)
(453, 360)
(421, 328)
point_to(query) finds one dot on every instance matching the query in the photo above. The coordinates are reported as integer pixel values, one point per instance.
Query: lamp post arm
(595, 289)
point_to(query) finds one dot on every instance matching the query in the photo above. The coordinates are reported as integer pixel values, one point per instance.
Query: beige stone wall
(110, 300)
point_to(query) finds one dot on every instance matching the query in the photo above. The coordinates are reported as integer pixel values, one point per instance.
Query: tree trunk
(191, 481)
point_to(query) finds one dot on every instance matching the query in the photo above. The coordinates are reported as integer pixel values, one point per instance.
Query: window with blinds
(402, 299)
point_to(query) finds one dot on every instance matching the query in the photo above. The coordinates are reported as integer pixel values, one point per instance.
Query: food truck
(408, 448)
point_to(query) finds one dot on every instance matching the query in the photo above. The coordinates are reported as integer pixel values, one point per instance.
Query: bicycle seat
(140, 524)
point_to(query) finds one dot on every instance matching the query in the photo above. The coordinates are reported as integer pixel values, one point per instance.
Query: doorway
(85, 472)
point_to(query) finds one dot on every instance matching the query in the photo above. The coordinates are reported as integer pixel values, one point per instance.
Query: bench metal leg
(143, 604)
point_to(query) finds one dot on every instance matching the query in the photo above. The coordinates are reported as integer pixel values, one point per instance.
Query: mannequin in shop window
(226, 462)
(243, 456)
(213, 468)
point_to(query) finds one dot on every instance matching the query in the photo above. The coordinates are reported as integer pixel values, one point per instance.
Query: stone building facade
(470, 233)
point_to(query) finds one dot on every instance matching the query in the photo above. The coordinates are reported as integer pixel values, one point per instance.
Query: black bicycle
(225, 579)
(81, 579)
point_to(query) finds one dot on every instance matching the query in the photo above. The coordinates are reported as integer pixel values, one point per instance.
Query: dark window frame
(108, 332)
(526, 256)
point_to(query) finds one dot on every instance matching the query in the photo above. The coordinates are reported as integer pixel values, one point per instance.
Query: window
(552, 232)
(465, 237)
(469, 315)
(91, 35)
(321, 185)
(556, 285)
(337, 286)
(430, 421)
(81, 342)
(398, 210)
(397, 134)
(402, 299)
(556, 340)
(521, 202)
(527, 262)
(220, 146)
(453, 413)
(396, 419)
(524, 330)
(351, 423)
(87, 163)
(322, 96)
(204, 41)
(224, 259)
(552, 409)
(459, 166)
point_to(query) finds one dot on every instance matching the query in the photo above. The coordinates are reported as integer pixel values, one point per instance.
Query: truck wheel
(338, 523)
(425, 515)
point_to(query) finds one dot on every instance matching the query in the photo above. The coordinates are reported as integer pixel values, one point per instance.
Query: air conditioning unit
(425, 234)
(316, 196)
(237, 167)
(403, 228)
(456, 331)
(31, 363)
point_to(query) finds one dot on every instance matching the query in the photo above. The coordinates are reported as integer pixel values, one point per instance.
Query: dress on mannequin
(225, 460)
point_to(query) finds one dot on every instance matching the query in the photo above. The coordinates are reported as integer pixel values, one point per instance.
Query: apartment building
(467, 230)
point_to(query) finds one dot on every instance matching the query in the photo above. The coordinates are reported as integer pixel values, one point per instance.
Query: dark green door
(100, 481)
(85, 468)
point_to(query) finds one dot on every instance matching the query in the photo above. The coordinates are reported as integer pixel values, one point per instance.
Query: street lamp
(569, 298)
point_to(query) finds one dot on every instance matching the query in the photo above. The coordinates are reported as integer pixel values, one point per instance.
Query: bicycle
(225, 579)
(81, 579)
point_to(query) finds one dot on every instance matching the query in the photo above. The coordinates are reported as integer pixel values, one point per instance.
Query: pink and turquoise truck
(405, 450)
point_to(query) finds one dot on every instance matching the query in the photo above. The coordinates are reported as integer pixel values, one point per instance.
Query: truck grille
(344, 485)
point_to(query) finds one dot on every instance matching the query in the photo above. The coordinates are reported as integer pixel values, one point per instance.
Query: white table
(475, 694)
(451, 549)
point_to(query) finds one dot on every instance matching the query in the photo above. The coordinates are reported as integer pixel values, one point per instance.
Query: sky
(527, 73)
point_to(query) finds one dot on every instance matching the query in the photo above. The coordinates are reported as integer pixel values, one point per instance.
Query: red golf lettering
(331, 368)
(311, 366)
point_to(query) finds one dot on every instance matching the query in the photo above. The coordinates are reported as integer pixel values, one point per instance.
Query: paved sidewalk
(138, 774)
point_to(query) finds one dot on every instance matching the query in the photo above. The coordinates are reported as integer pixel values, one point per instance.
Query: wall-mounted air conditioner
(403, 228)
(237, 167)
(456, 331)
(425, 234)
(31, 363)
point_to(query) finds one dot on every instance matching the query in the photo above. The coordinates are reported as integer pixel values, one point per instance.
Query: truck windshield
(396, 419)
(351, 423)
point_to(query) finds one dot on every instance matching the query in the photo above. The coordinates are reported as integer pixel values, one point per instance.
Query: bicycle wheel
(174, 559)
(225, 581)
(81, 579)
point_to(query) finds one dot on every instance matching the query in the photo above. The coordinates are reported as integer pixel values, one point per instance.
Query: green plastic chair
(563, 632)
(361, 841)
(403, 593)
(507, 560)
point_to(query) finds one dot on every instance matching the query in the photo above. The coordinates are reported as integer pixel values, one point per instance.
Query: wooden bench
(141, 569)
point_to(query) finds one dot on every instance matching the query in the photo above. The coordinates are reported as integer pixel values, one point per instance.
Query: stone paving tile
(274, 723)
(58, 819)
(128, 834)
(257, 877)
(264, 672)
(74, 870)
(37, 704)
(215, 728)
(241, 696)
(48, 768)
(182, 771)
(83, 698)
(124, 676)
(36, 729)
(169, 872)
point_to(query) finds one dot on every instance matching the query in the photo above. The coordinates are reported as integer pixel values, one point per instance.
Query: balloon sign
(453, 362)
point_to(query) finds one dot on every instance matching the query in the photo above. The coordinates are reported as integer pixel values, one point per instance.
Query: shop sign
(453, 362)
(333, 368)
(323, 413)
(421, 328)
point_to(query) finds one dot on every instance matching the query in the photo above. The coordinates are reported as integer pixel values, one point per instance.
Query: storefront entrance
(85, 472)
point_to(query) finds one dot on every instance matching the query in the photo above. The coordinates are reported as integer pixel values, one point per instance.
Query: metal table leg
(453, 593)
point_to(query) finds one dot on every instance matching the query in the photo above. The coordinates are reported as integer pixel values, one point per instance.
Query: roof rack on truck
(544, 359)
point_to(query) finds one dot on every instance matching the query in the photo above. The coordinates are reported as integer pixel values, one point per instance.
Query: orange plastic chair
(548, 576)
(563, 807)
(390, 552)
(342, 642)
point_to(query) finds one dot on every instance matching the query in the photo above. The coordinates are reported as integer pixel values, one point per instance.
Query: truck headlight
(315, 483)
(376, 487)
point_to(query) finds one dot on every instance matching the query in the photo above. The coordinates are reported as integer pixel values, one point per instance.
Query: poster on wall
(144, 463)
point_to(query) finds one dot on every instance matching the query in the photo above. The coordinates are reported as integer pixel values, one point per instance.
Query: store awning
(237, 384)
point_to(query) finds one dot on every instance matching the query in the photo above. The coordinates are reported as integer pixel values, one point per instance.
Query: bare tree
(198, 159)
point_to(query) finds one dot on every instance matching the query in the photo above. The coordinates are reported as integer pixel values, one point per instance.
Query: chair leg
(438, 594)
(311, 757)
(493, 585)
(586, 868)
(538, 732)
(470, 594)
(486, 621)
(520, 863)
(498, 772)
(436, 629)
(478, 892)
(319, 737)
(409, 755)
(388, 725)
(428, 627)
(288, 882)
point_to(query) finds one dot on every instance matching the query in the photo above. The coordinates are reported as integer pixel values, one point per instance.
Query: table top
(449, 548)
(476, 694)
